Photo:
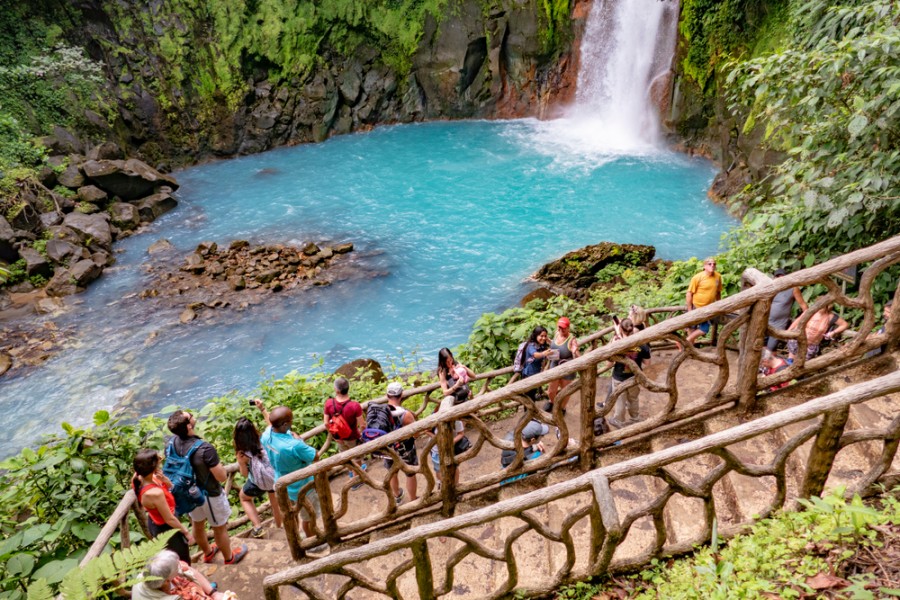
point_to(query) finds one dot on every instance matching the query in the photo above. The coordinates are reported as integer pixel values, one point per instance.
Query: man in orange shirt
(705, 288)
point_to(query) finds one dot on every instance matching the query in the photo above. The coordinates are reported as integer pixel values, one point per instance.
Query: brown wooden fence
(744, 322)
(743, 319)
(581, 517)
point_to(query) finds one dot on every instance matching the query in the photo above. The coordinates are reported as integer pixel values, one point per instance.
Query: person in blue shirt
(288, 453)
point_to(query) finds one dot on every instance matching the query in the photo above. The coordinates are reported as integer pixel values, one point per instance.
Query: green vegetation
(102, 577)
(791, 555)
(55, 498)
(715, 30)
(830, 103)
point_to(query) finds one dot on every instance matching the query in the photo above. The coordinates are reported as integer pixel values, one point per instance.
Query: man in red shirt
(342, 407)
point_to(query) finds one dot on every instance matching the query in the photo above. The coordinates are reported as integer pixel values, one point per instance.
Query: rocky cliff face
(178, 101)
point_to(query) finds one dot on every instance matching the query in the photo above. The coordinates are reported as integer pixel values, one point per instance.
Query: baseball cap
(780, 273)
(395, 389)
(563, 322)
(534, 429)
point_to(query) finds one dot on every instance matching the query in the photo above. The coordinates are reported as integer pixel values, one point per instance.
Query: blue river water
(448, 221)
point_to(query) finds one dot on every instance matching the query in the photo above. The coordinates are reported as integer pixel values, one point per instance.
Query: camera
(252, 402)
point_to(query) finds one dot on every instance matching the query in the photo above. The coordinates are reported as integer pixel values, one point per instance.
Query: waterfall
(623, 80)
(626, 49)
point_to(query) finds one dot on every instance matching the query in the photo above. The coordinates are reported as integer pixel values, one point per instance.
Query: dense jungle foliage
(821, 82)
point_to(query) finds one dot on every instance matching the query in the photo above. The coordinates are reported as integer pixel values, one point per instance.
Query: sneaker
(258, 532)
(238, 555)
(320, 549)
(399, 498)
(615, 422)
(213, 550)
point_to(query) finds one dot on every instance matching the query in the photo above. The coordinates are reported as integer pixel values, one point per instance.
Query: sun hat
(395, 389)
(534, 429)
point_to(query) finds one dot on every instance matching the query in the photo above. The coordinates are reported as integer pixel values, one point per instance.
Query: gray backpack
(261, 472)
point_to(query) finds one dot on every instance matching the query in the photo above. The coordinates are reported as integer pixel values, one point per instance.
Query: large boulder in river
(128, 179)
(579, 269)
(93, 227)
(152, 207)
(355, 369)
(125, 216)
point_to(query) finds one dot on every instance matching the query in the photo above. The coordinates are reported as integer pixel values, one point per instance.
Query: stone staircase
(738, 498)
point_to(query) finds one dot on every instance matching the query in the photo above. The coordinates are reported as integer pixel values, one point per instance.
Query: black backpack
(379, 421)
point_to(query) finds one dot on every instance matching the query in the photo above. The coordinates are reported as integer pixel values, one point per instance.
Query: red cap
(563, 322)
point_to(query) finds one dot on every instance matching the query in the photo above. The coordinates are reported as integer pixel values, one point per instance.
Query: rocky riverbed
(238, 275)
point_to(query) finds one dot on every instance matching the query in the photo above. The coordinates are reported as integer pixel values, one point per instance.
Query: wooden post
(291, 524)
(124, 532)
(588, 379)
(329, 523)
(753, 334)
(423, 570)
(448, 468)
(141, 516)
(823, 451)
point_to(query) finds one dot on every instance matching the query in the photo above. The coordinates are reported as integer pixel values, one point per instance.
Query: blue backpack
(188, 495)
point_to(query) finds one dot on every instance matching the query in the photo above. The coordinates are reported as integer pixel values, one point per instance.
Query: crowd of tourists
(191, 480)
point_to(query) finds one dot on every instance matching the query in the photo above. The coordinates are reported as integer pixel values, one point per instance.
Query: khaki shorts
(216, 510)
(313, 499)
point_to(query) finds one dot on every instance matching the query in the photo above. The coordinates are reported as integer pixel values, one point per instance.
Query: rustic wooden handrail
(608, 528)
(746, 316)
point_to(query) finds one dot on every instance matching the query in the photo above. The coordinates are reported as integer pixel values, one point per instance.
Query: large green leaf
(20, 564)
(55, 570)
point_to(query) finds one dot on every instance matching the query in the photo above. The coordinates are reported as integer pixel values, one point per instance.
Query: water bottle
(194, 492)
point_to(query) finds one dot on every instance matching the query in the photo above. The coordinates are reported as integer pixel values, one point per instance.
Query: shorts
(313, 499)
(704, 326)
(251, 490)
(811, 351)
(216, 510)
(407, 455)
(177, 543)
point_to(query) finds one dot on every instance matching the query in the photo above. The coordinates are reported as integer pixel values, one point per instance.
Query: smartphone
(615, 320)
(252, 402)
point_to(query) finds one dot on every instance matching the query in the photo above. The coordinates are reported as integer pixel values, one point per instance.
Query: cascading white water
(626, 54)
(627, 45)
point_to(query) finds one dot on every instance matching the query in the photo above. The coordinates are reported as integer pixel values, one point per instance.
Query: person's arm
(259, 404)
(447, 389)
(460, 433)
(689, 299)
(718, 286)
(243, 462)
(573, 347)
(841, 327)
(798, 297)
(470, 372)
(155, 499)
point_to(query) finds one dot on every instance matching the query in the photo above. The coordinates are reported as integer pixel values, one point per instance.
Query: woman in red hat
(565, 347)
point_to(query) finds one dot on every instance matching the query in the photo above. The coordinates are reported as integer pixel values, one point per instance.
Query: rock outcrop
(509, 61)
(580, 271)
(69, 243)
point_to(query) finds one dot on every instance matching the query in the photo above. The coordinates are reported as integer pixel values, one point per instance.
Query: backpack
(261, 472)
(188, 495)
(519, 360)
(337, 425)
(380, 421)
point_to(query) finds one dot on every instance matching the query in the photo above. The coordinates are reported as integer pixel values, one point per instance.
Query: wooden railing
(744, 318)
(582, 518)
